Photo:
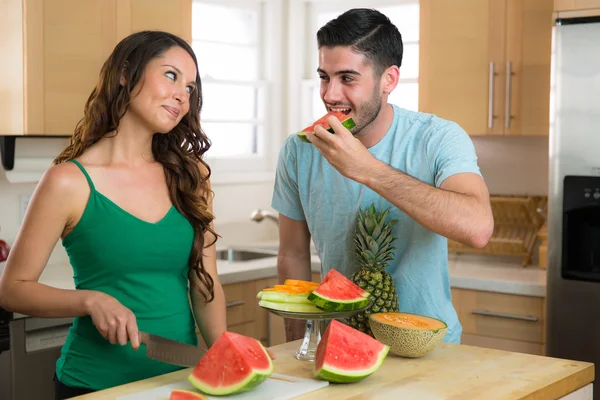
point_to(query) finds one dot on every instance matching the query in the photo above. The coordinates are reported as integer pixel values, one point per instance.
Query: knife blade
(171, 351)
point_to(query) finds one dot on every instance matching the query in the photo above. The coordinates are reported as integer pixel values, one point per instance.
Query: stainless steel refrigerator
(573, 291)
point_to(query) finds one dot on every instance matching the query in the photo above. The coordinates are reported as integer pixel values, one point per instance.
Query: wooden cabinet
(576, 5)
(53, 51)
(501, 321)
(485, 64)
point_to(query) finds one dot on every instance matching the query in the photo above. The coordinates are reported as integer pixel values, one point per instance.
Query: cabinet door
(528, 55)
(576, 5)
(66, 43)
(174, 16)
(462, 45)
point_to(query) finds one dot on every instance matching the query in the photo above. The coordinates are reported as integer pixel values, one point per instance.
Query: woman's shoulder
(64, 178)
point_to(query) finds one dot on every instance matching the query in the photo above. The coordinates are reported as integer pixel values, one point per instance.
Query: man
(424, 168)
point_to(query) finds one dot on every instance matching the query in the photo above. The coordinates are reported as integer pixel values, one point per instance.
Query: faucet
(258, 215)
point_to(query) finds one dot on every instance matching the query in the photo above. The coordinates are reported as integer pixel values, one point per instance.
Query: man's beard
(368, 112)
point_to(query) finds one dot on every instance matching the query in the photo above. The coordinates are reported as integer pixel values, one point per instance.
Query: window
(403, 14)
(229, 39)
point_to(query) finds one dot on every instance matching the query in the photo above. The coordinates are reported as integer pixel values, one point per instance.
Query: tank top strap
(84, 173)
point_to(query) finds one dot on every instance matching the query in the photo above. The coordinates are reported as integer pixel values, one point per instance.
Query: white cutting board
(272, 389)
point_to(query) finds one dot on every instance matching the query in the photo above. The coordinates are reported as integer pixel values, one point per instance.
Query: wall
(514, 165)
(234, 202)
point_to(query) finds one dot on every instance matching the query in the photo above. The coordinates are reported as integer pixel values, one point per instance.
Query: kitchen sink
(237, 255)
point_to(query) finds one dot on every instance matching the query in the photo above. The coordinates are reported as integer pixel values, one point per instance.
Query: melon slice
(280, 297)
(234, 363)
(346, 121)
(338, 293)
(408, 335)
(346, 355)
(290, 307)
(180, 394)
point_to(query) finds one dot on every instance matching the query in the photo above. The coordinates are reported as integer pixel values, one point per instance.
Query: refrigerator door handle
(491, 96)
(509, 75)
(502, 315)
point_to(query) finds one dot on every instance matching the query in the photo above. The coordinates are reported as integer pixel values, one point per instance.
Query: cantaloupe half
(408, 335)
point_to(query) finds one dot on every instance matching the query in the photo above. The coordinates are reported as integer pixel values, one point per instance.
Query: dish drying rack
(517, 219)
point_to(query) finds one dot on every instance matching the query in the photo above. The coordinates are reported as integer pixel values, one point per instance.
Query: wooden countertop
(449, 372)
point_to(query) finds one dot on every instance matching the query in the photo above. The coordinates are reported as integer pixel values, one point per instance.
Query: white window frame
(260, 166)
(301, 69)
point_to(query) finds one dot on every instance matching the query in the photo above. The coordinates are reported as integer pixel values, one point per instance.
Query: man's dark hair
(366, 31)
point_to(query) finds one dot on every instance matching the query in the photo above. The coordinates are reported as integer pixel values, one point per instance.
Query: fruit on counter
(285, 294)
(408, 335)
(346, 355)
(4, 249)
(234, 363)
(181, 394)
(373, 249)
(338, 293)
(290, 307)
(346, 121)
(304, 284)
(291, 296)
(282, 297)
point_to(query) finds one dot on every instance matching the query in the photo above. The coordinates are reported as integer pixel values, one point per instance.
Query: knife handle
(144, 338)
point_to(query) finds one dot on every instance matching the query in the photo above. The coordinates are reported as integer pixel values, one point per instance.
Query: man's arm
(459, 209)
(293, 262)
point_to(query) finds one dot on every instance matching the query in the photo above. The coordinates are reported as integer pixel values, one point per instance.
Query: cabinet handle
(502, 315)
(509, 75)
(491, 97)
(231, 304)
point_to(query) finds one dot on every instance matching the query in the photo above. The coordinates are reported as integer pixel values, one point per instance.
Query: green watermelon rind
(330, 304)
(280, 297)
(257, 377)
(336, 375)
(347, 123)
(290, 307)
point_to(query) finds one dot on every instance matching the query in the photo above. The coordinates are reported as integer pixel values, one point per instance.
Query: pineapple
(373, 249)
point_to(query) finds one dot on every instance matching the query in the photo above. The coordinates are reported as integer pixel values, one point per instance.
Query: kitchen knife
(171, 351)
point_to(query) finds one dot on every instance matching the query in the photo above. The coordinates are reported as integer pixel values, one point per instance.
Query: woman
(131, 200)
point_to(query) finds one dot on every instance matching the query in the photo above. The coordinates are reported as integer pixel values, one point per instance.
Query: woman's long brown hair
(179, 151)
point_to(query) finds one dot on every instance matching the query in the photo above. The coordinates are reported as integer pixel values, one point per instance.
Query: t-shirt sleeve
(286, 195)
(452, 152)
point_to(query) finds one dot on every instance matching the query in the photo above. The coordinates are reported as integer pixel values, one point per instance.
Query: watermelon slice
(346, 355)
(290, 307)
(284, 297)
(347, 121)
(338, 293)
(234, 363)
(180, 394)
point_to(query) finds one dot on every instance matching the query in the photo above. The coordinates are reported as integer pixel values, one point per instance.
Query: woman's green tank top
(144, 266)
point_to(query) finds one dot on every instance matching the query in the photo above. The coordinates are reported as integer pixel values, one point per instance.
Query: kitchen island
(449, 372)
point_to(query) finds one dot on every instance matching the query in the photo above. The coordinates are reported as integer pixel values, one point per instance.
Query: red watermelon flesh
(338, 293)
(345, 354)
(180, 394)
(353, 287)
(346, 121)
(235, 363)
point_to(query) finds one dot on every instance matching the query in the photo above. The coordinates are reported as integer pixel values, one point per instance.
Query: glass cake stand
(315, 324)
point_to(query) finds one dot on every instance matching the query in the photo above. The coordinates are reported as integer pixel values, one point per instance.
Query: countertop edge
(564, 386)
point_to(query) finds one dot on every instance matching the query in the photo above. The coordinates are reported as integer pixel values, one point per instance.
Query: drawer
(503, 344)
(252, 329)
(500, 315)
(241, 303)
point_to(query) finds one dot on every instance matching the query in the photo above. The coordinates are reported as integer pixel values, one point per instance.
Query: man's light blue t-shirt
(421, 145)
